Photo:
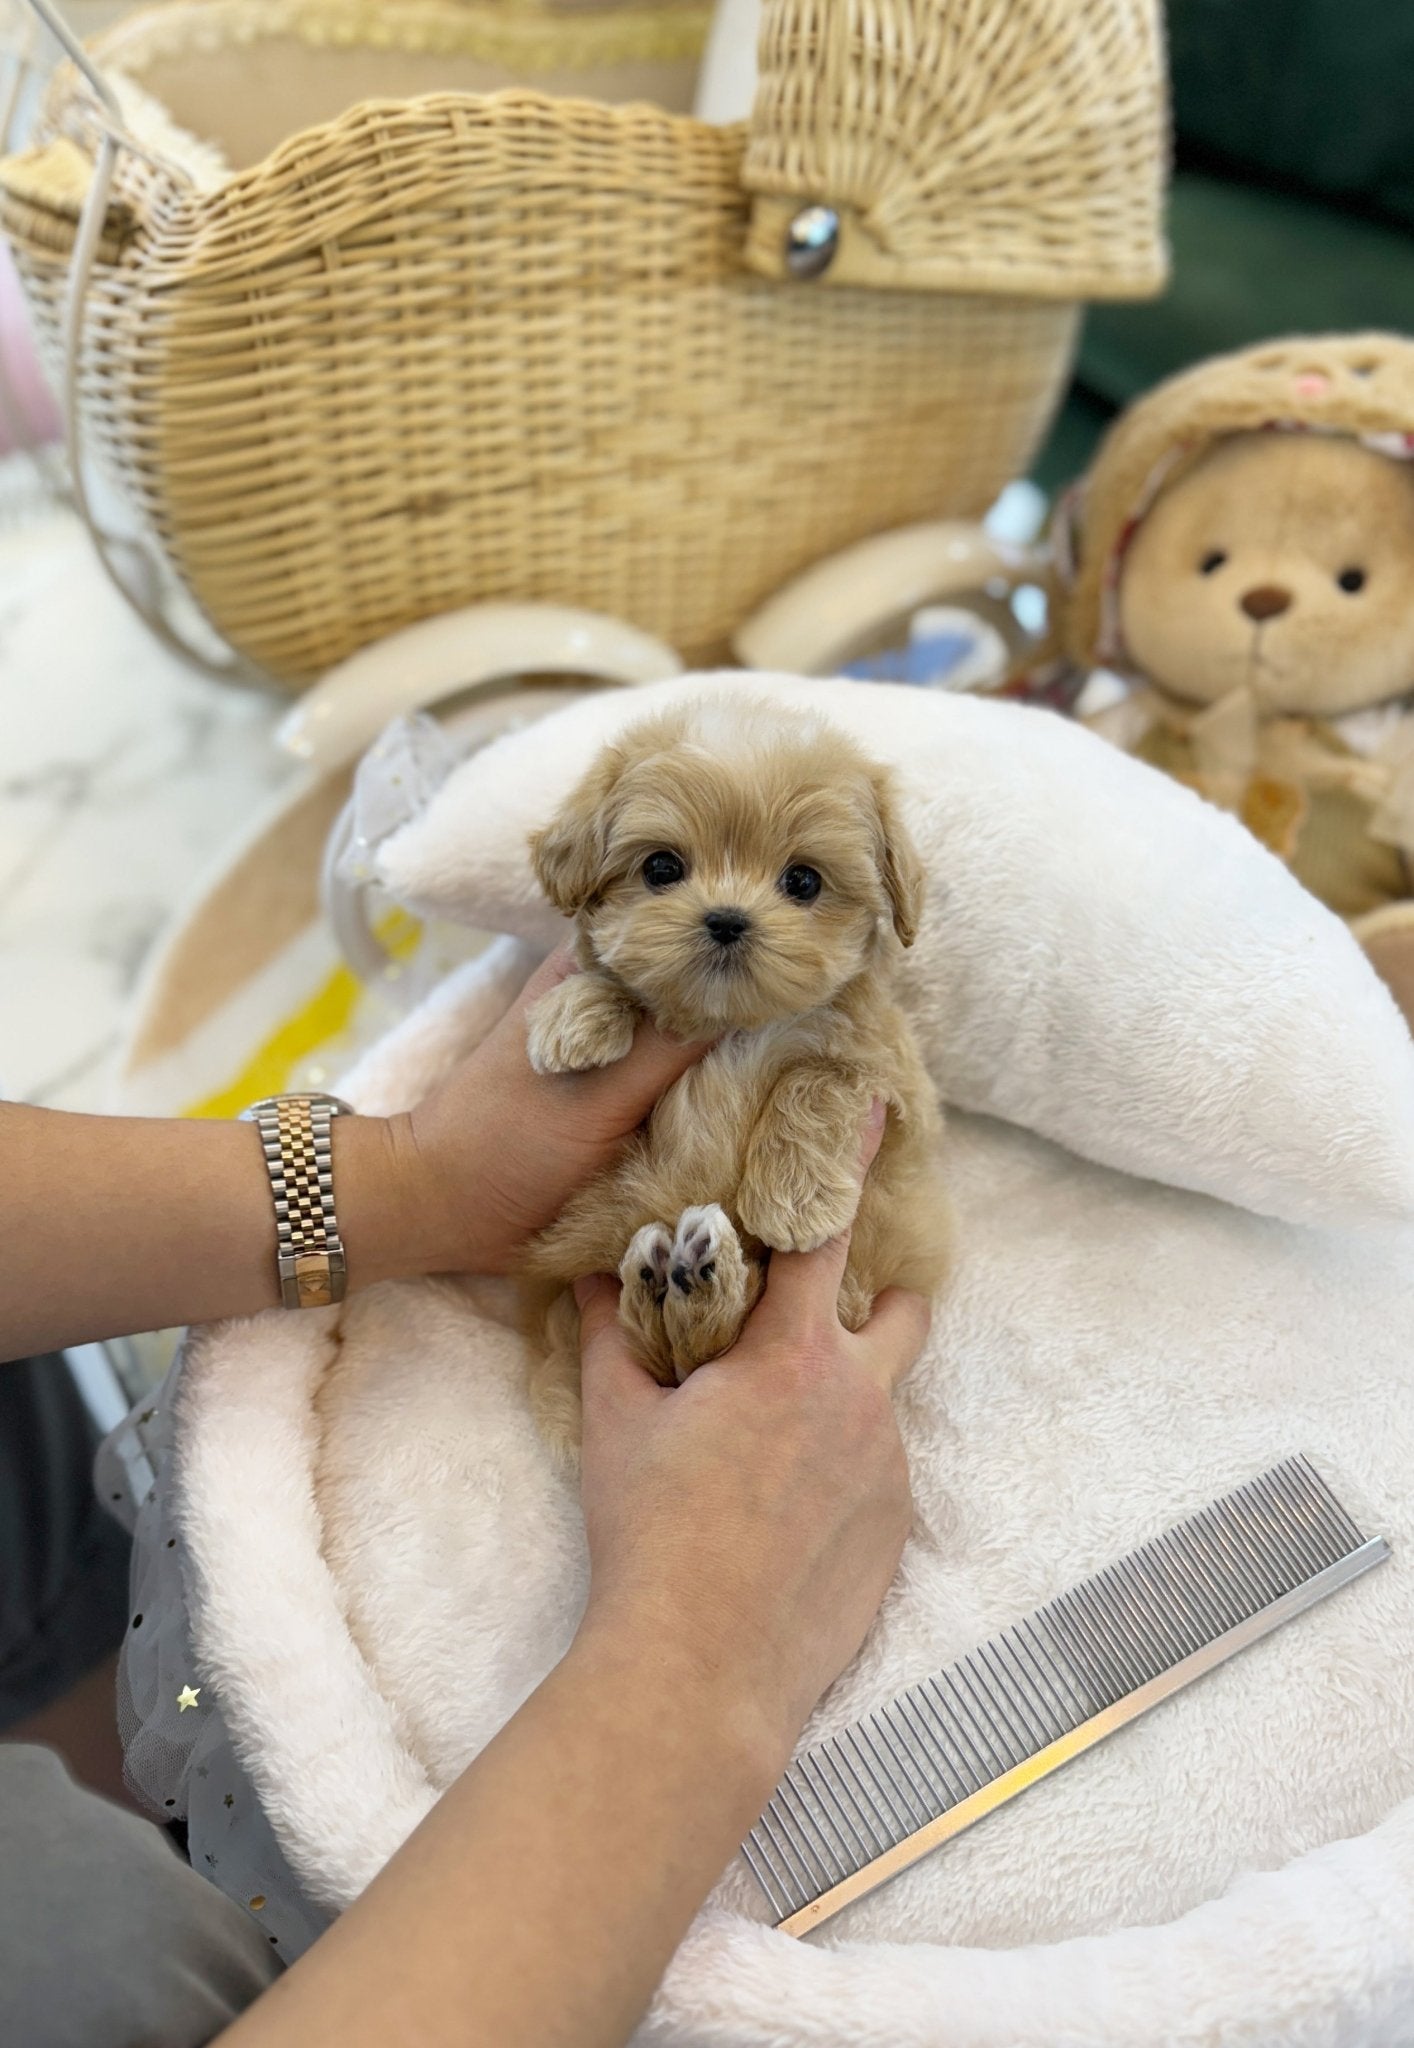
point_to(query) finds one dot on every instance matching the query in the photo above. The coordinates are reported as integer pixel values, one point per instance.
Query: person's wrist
(722, 1699)
(395, 1217)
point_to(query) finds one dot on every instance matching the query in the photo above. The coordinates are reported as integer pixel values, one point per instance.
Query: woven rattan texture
(994, 145)
(506, 347)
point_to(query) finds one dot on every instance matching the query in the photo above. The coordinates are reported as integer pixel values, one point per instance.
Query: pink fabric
(38, 415)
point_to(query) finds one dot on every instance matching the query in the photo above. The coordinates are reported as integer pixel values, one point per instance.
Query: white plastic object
(1020, 513)
(346, 888)
(986, 657)
(833, 608)
(458, 651)
(726, 79)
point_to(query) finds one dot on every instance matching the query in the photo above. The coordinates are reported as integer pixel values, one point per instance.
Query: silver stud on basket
(812, 241)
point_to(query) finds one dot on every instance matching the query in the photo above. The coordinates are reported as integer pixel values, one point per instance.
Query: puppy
(736, 874)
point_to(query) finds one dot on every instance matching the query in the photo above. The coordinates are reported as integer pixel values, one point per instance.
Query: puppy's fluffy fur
(755, 1149)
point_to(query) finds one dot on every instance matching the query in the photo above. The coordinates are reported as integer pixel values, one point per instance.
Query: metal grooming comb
(858, 1809)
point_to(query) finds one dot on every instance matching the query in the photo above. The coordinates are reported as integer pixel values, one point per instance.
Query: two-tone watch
(295, 1136)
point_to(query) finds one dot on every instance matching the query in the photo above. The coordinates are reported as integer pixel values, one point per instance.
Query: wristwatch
(295, 1135)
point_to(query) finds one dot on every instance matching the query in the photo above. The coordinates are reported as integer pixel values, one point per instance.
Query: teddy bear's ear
(900, 868)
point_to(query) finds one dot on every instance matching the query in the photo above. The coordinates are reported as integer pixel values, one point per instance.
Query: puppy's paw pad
(564, 1037)
(647, 1263)
(703, 1235)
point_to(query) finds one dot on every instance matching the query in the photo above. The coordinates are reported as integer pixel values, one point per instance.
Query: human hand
(748, 1523)
(497, 1150)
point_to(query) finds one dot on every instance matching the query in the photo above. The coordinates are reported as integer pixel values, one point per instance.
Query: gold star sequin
(187, 1697)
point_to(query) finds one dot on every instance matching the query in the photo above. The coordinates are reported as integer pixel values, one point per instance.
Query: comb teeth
(854, 1811)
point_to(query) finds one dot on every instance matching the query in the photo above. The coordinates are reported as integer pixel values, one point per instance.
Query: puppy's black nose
(727, 926)
(1267, 601)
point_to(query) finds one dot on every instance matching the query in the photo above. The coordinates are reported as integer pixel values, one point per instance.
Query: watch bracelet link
(296, 1138)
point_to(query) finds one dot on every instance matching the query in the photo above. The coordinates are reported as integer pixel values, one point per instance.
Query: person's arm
(115, 1224)
(742, 1531)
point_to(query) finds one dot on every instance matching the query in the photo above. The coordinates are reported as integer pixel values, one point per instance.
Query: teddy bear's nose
(1266, 601)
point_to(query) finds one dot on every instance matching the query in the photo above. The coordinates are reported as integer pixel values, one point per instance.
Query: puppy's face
(731, 868)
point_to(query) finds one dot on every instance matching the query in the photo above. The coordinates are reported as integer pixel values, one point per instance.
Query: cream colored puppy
(736, 874)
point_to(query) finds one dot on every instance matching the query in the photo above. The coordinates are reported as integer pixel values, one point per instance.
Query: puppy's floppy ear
(900, 869)
(568, 854)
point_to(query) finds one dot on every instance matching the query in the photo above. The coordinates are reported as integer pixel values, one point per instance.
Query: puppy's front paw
(697, 1246)
(795, 1218)
(645, 1266)
(709, 1290)
(585, 1022)
(643, 1270)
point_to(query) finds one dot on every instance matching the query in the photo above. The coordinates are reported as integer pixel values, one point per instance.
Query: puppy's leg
(644, 1272)
(554, 1382)
(903, 1230)
(800, 1179)
(856, 1301)
(585, 1022)
(712, 1288)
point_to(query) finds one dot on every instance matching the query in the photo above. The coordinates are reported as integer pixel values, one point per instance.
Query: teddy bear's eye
(1351, 580)
(661, 870)
(1212, 561)
(800, 883)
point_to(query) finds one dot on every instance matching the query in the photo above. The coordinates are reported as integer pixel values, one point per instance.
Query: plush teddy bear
(1241, 554)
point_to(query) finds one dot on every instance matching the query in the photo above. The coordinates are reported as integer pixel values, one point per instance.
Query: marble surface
(123, 775)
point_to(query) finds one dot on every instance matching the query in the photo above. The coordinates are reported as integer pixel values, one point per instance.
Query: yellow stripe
(323, 1017)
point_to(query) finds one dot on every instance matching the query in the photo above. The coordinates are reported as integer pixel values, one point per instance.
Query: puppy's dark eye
(1211, 562)
(800, 883)
(661, 870)
(1351, 580)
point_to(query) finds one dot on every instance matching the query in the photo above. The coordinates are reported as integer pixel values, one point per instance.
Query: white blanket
(1110, 1355)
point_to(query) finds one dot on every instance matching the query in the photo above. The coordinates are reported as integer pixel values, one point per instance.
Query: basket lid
(965, 145)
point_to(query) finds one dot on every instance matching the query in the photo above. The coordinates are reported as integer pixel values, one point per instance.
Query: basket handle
(143, 580)
(49, 15)
(457, 652)
(819, 619)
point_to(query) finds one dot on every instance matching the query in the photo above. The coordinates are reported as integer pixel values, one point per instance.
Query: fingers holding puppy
(892, 1340)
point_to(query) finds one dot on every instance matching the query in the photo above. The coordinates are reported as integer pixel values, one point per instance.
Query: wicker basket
(518, 332)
